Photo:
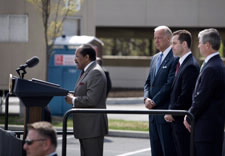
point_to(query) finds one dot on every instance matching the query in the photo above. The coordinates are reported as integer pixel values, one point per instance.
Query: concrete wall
(87, 15)
(127, 72)
(174, 13)
(107, 13)
(114, 18)
(13, 54)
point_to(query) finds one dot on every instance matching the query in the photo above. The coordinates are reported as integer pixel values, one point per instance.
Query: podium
(35, 95)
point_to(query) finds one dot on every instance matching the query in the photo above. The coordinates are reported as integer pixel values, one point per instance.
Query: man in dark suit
(157, 93)
(180, 99)
(90, 92)
(208, 100)
(108, 79)
(41, 139)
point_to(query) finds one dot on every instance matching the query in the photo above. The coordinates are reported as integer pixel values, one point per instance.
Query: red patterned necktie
(177, 68)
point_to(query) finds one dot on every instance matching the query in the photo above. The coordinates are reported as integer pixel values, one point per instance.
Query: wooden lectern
(35, 95)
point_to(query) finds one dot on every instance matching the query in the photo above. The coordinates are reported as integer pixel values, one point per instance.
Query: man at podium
(90, 92)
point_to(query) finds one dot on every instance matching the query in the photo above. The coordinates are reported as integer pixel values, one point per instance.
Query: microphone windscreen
(32, 61)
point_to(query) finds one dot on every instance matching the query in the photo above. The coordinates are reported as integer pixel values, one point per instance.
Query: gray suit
(91, 93)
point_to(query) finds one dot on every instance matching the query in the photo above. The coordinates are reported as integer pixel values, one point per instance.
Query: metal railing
(7, 110)
(107, 111)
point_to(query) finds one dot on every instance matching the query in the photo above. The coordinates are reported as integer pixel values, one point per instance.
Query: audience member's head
(41, 139)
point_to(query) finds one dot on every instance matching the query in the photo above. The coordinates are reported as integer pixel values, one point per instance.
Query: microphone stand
(21, 68)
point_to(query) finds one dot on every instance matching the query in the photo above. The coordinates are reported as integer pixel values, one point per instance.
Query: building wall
(138, 18)
(127, 72)
(88, 13)
(151, 13)
(13, 54)
(194, 14)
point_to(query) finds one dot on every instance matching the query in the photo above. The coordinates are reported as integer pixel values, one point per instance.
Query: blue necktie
(158, 63)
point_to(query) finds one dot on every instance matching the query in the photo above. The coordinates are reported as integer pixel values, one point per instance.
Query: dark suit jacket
(91, 93)
(109, 82)
(208, 104)
(183, 85)
(158, 87)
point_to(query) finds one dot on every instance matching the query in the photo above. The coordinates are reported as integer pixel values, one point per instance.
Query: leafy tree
(53, 13)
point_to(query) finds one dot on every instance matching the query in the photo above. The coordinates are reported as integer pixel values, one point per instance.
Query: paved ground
(113, 146)
(135, 103)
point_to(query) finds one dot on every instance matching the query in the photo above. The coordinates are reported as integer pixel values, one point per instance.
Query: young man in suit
(208, 100)
(41, 139)
(157, 93)
(90, 92)
(180, 99)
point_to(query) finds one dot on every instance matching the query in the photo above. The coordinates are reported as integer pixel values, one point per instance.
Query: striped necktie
(158, 63)
(203, 64)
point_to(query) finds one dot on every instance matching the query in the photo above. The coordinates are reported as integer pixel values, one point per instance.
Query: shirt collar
(166, 52)
(181, 60)
(88, 65)
(210, 56)
(54, 153)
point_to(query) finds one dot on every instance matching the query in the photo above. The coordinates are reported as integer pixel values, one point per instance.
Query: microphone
(32, 62)
(29, 63)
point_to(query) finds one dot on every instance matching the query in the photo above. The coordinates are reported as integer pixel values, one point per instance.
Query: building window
(14, 28)
(71, 26)
(126, 46)
(73, 3)
(126, 41)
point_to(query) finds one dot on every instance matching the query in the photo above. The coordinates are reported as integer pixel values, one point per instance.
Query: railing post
(7, 110)
(64, 139)
(192, 134)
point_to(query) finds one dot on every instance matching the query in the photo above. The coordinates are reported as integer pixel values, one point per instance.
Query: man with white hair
(157, 92)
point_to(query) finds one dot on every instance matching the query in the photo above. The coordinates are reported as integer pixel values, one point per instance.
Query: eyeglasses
(30, 142)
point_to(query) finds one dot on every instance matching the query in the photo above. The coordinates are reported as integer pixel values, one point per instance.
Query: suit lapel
(214, 58)
(182, 67)
(184, 64)
(163, 64)
(85, 74)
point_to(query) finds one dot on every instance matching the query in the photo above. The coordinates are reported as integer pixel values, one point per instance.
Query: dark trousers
(208, 148)
(161, 139)
(92, 146)
(181, 138)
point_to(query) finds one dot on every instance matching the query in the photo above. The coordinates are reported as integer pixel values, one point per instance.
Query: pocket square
(164, 67)
(82, 83)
